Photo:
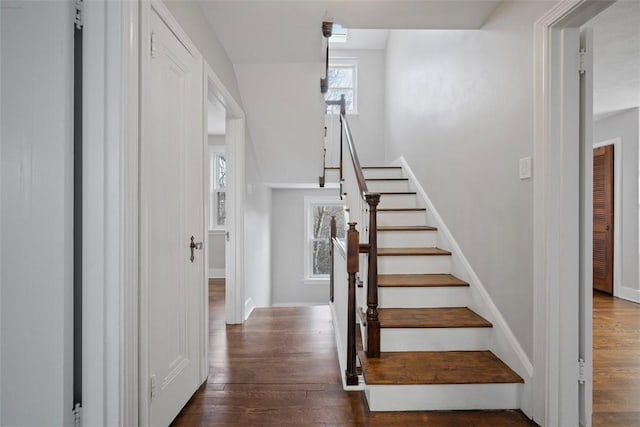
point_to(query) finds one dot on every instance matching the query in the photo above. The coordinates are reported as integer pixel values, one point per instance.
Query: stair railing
(362, 207)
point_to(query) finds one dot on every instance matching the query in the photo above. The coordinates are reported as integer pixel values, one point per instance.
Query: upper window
(318, 234)
(343, 76)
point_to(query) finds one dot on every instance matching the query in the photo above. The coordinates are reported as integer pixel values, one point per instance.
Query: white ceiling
(269, 32)
(616, 73)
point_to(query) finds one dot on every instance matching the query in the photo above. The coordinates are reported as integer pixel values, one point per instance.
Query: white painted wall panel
(460, 110)
(625, 125)
(36, 222)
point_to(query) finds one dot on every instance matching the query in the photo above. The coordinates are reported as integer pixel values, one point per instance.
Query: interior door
(603, 219)
(172, 211)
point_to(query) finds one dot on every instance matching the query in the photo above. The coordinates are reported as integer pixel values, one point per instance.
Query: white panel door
(172, 211)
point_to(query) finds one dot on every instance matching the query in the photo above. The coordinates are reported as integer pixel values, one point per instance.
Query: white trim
(249, 306)
(617, 212)
(556, 269)
(629, 294)
(216, 273)
(504, 343)
(110, 228)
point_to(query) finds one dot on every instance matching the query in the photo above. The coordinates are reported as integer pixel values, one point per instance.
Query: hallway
(280, 368)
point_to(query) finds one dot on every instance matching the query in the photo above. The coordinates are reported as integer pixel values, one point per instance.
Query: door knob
(193, 246)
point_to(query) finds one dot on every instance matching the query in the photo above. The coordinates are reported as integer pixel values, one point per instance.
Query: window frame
(352, 63)
(309, 203)
(214, 188)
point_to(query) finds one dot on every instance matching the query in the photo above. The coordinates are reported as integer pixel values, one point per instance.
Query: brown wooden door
(603, 219)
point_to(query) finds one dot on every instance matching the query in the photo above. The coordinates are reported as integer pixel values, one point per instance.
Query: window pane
(322, 221)
(222, 171)
(321, 260)
(340, 77)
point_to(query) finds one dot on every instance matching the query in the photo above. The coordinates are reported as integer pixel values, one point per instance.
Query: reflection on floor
(616, 362)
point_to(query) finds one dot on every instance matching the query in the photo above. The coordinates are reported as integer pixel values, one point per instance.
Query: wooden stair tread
(436, 367)
(395, 193)
(407, 228)
(332, 168)
(401, 209)
(382, 167)
(445, 317)
(419, 280)
(412, 252)
(386, 179)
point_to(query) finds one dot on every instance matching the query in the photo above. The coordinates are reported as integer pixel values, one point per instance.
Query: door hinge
(581, 371)
(581, 60)
(153, 392)
(77, 415)
(154, 52)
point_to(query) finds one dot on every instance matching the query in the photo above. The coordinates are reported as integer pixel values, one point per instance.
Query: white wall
(257, 286)
(258, 234)
(625, 125)
(367, 126)
(36, 223)
(287, 248)
(460, 110)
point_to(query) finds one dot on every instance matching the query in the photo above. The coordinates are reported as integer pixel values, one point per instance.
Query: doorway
(603, 215)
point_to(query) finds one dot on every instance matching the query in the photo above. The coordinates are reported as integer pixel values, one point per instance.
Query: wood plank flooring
(441, 317)
(280, 369)
(616, 362)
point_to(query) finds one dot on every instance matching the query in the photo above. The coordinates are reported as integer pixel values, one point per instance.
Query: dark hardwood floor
(616, 362)
(281, 369)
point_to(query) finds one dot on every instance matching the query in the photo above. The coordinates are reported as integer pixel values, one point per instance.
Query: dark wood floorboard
(616, 362)
(281, 369)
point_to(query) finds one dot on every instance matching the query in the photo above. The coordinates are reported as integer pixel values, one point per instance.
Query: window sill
(316, 281)
(349, 113)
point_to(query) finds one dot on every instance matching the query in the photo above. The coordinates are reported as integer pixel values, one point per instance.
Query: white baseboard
(249, 306)
(629, 294)
(217, 273)
(298, 304)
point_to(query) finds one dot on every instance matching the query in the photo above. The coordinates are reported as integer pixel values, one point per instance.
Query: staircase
(435, 350)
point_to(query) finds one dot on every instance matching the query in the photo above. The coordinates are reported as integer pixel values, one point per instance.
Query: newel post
(353, 256)
(333, 233)
(373, 323)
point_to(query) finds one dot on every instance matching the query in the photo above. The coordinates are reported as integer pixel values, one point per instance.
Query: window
(217, 188)
(318, 219)
(342, 76)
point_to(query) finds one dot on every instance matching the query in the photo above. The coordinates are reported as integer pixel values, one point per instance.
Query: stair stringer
(503, 342)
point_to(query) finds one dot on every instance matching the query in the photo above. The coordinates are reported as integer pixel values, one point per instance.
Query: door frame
(617, 205)
(557, 166)
(235, 154)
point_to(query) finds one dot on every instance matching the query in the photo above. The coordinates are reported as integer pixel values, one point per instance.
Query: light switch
(525, 168)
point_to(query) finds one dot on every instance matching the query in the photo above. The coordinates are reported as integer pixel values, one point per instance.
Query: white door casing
(171, 211)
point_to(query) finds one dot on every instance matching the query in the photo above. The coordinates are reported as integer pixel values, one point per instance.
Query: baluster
(373, 323)
(333, 234)
(353, 256)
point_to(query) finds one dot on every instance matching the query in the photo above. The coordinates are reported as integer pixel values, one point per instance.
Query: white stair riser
(407, 239)
(402, 218)
(443, 397)
(394, 201)
(434, 339)
(387, 186)
(383, 173)
(458, 296)
(414, 264)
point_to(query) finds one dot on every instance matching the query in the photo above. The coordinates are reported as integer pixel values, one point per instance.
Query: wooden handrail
(371, 248)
